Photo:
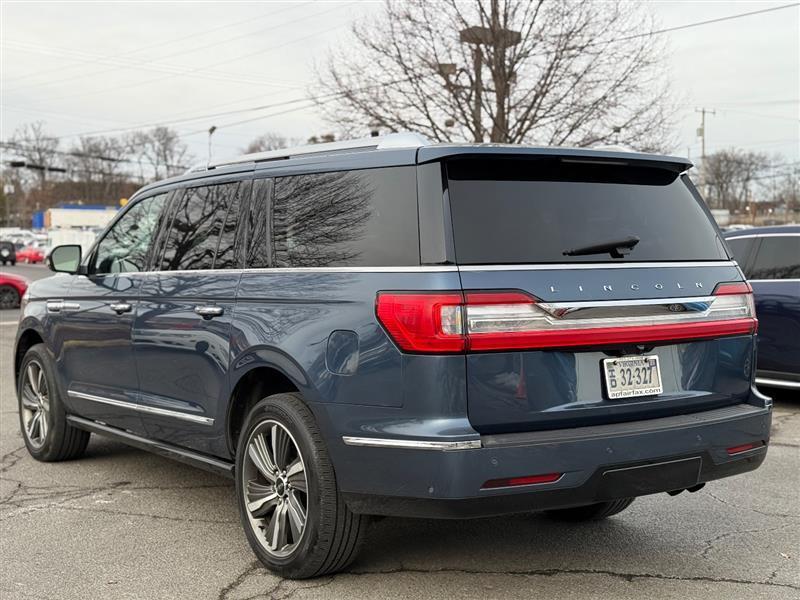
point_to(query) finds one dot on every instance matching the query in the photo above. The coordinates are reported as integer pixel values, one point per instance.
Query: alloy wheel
(275, 488)
(35, 404)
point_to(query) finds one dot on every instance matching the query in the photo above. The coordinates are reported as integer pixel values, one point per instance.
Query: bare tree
(575, 73)
(39, 149)
(727, 177)
(98, 163)
(269, 141)
(162, 149)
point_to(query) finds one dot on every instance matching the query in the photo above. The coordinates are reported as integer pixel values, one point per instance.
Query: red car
(12, 288)
(29, 254)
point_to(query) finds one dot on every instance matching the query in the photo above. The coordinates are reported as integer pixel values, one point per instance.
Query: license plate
(631, 376)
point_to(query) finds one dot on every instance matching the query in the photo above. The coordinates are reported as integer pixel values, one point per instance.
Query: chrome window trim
(440, 268)
(778, 383)
(578, 266)
(411, 444)
(163, 412)
(409, 269)
(794, 280)
(761, 235)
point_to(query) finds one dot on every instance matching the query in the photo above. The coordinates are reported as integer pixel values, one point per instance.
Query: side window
(226, 250)
(124, 248)
(741, 248)
(256, 225)
(198, 224)
(778, 258)
(346, 218)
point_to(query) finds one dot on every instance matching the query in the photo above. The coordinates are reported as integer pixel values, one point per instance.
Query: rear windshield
(549, 210)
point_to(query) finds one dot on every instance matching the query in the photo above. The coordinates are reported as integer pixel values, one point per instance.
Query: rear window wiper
(616, 248)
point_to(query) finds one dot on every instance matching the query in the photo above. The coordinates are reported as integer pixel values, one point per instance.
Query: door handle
(121, 307)
(209, 311)
(55, 306)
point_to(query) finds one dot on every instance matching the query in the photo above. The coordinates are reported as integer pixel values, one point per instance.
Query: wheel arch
(25, 341)
(256, 383)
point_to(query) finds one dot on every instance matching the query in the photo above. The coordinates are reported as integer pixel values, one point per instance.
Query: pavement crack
(749, 508)
(148, 515)
(629, 577)
(225, 592)
(713, 541)
(10, 459)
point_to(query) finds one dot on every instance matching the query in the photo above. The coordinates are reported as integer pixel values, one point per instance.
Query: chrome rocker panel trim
(152, 410)
(778, 383)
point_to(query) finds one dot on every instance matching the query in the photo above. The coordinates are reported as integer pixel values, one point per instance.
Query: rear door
(774, 273)
(182, 329)
(590, 291)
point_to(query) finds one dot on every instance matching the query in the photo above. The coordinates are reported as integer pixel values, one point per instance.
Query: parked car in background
(12, 288)
(389, 327)
(8, 253)
(31, 255)
(770, 259)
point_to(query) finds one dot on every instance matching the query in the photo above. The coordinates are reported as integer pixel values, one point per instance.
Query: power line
(166, 68)
(167, 42)
(695, 24)
(205, 67)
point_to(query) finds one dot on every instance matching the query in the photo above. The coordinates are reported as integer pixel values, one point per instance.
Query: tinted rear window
(534, 210)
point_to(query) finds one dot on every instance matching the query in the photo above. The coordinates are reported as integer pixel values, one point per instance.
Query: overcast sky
(91, 67)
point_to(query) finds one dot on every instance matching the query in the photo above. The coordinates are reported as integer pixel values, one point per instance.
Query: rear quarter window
(346, 218)
(508, 211)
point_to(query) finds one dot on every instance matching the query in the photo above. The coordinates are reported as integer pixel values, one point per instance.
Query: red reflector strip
(516, 481)
(743, 448)
(610, 335)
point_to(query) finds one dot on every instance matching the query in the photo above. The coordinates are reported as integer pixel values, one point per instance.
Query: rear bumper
(598, 463)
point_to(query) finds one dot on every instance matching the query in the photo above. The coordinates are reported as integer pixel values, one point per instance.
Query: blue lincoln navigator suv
(390, 327)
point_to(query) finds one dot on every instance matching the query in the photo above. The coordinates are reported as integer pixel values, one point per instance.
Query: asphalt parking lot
(122, 523)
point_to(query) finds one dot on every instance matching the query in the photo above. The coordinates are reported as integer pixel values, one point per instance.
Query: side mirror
(65, 259)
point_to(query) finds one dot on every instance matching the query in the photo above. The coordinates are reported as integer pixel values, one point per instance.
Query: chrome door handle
(54, 306)
(209, 311)
(121, 307)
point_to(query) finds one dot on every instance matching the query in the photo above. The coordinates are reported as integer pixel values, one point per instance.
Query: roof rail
(384, 142)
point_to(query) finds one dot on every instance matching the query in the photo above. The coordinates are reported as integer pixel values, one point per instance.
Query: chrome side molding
(778, 383)
(144, 408)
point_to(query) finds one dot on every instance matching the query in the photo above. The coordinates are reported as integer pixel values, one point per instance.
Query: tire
(591, 512)
(52, 439)
(9, 297)
(331, 534)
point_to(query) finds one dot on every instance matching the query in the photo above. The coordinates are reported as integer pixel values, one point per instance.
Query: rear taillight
(420, 322)
(482, 321)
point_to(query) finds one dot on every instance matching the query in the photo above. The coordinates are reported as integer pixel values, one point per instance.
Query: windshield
(551, 210)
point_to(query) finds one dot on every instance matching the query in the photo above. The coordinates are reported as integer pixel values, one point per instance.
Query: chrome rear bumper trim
(411, 444)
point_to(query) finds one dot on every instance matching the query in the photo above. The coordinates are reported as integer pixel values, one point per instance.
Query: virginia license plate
(630, 376)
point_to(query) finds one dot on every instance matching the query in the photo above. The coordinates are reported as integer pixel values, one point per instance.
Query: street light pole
(211, 131)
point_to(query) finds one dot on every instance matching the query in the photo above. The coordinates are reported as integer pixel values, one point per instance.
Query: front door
(97, 320)
(183, 320)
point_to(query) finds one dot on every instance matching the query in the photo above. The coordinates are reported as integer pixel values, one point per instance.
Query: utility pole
(701, 131)
(500, 39)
